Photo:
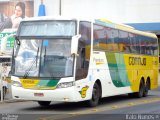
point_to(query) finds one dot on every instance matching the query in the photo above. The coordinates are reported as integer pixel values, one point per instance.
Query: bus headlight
(65, 84)
(16, 83)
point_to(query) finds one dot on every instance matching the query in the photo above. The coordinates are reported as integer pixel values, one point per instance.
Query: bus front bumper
(61, 94)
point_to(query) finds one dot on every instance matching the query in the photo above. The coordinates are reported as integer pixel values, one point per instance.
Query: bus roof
(46, 18)
(103, 22)
(124, 27)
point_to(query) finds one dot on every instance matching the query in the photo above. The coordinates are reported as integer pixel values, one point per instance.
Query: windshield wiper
(44, 56)
(37, 56)
(33, 63)
(17, 40)
(30, 68)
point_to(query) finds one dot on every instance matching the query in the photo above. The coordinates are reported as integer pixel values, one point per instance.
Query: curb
(12, 101)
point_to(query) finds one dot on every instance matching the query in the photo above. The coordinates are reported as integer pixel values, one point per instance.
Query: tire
(44, 103)
(146, 89)
(141, 90)
(95, 96)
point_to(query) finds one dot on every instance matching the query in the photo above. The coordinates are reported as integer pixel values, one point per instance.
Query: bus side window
(84, 47)
(82, 67)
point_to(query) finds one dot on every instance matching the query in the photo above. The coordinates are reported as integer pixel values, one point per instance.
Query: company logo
(137, 61)
(83, 91)
(98, 61)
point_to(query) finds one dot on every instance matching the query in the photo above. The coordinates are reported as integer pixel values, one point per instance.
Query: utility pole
(60, 7)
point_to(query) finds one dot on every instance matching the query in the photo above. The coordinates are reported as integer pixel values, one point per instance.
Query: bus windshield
(44, 49)
(47, 28)
(43, 58)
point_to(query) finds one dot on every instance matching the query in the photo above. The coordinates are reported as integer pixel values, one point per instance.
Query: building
(141, 14)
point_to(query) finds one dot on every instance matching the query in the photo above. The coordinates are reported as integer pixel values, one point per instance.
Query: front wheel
(95, 96)
(44, 103)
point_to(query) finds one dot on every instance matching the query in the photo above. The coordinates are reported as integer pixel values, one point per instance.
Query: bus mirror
(74, 44)
(17, 40)
(15, 37)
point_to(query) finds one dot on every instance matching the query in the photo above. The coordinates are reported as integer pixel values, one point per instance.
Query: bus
(72, 60)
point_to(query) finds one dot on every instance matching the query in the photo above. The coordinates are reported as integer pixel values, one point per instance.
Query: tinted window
(109, 39)
(84, 47)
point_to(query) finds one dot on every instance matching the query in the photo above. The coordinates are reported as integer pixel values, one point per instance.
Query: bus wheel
(146, 89)
(141, 90)
(95, 96)
(44, 103)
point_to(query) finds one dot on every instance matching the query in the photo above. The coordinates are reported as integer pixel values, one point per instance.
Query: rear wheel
(95, 96)
(141, 90)
(146, 89)
(44, 103)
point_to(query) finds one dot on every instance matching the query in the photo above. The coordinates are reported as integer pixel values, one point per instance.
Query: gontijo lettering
(137, 61)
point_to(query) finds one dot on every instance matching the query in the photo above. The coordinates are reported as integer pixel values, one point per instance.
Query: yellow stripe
(139, 66)
(29, 83)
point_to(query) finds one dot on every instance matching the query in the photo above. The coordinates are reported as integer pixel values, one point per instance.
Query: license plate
(39, 94)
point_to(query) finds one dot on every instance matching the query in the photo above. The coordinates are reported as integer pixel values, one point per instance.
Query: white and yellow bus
(72, 60)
